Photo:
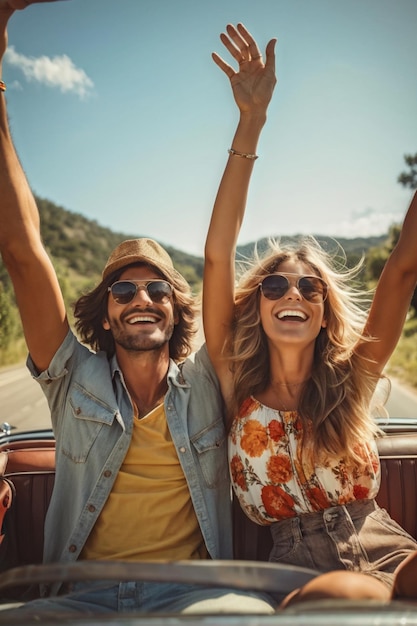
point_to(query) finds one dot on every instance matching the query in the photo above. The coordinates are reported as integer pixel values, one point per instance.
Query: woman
(298, 359)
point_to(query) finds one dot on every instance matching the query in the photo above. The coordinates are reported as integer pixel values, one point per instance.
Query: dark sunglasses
(312, 288)
(123, 291)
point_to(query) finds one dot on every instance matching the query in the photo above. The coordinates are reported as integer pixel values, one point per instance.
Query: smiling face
(292, 319)
(141, 325)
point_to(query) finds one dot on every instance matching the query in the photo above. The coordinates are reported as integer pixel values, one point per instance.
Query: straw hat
(140, 251)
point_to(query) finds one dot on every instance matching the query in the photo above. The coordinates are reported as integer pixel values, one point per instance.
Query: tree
(377, 256)
(409, 179)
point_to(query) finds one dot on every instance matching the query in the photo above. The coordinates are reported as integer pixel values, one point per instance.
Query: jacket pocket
(87, 416)
(211, 450)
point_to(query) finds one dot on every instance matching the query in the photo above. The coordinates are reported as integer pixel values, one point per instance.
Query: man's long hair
(91, 309)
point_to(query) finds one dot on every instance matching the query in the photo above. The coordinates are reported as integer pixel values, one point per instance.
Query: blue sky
(119, 113)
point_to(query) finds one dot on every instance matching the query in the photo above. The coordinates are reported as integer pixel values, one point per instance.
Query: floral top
(273, 481)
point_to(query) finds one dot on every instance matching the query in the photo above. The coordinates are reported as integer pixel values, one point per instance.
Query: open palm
(253, 84)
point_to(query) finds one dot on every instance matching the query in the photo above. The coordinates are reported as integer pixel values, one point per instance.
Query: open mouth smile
(143, 319)
(292, 314)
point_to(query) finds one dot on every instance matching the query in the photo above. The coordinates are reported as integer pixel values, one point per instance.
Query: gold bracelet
(2, 86)
(244, 155)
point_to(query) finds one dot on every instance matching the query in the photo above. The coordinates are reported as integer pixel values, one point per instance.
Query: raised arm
(393, 294)
(252, 87)
(35, 283)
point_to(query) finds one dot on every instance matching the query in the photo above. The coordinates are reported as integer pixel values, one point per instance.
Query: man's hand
(254, 83)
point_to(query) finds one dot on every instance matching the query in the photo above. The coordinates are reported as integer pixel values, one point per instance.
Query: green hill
(353, 248)
(83, 246)
(80, 247)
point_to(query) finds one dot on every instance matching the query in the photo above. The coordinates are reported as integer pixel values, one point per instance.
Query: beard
(138, 341)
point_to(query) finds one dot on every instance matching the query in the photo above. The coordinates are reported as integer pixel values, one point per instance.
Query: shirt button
(107, 474)
(91, 508)
(78, 410)
(182, 449)
(72, 548)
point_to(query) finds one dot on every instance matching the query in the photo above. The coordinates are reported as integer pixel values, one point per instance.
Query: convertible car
(27, 470)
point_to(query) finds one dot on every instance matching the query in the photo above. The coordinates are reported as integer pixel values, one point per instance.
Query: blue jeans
(143, 597)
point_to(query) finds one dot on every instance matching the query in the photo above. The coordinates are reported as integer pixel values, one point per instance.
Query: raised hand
(254, 82)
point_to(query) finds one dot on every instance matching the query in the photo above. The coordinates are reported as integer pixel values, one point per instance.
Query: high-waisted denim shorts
(359, 536)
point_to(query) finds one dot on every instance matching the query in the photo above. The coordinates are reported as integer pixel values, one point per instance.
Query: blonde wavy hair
(335, 402)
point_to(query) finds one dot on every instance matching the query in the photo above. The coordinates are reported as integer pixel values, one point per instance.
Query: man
(141, 464)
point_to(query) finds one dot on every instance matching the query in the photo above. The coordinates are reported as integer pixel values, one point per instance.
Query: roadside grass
(15, 353)
(403, 363)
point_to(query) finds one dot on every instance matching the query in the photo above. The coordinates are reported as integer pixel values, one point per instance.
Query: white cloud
(58, 71)
(366, 223)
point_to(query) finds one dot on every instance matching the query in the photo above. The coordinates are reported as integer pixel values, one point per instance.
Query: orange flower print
(317, 498)
(247, 407)
(276, 430)
(279, 469)
(360, 492)
(278, 504)
(238, 472)
(341, 471)
(254, 439)
(293, 419)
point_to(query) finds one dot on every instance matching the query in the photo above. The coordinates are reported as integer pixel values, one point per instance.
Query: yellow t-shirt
(149, 514)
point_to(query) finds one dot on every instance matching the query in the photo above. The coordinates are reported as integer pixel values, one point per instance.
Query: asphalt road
(23, 405)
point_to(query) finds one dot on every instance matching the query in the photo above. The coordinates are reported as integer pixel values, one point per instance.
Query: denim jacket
(92, 418)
